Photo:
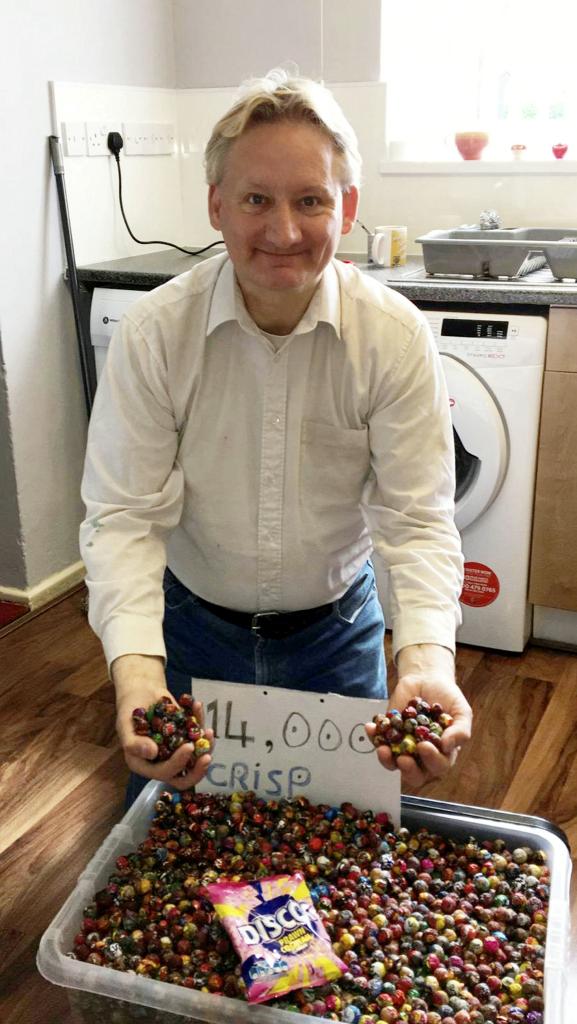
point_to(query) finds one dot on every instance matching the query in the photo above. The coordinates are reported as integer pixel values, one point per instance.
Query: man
(269, 419)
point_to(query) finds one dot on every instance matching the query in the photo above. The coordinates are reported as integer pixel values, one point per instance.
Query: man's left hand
(428, 671)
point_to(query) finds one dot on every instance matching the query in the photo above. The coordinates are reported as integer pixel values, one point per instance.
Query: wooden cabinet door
(562, 339)
(553, 577)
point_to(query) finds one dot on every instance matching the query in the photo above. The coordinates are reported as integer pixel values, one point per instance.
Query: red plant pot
(471, 144)
(559, 150)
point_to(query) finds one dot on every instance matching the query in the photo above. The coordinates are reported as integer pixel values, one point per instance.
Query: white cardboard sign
(286, 743)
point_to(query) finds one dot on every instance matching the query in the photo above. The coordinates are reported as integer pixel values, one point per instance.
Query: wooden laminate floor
(62, 776)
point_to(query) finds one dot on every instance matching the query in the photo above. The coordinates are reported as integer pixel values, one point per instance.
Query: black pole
(83, 342)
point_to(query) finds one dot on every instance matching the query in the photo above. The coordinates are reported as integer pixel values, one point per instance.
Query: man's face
(280, 207)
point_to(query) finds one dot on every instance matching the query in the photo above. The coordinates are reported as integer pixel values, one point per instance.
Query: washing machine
(107, 308)
(494, 366)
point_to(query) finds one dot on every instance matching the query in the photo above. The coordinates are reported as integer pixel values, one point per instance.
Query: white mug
(389, 245)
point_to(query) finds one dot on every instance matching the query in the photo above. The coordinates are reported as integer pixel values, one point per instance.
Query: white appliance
(106, 310)
(494, 366)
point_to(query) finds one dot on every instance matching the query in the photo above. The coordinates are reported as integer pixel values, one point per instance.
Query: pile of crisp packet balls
(431, 930)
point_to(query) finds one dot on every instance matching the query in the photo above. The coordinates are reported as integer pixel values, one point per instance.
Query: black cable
(115, 143)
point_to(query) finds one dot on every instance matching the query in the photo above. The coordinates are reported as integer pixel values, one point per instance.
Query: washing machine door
(481, 444)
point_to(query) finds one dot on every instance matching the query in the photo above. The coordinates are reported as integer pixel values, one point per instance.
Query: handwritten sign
(286, 743)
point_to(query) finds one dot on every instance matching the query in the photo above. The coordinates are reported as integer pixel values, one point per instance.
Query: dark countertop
(147, 270)
(154, 268)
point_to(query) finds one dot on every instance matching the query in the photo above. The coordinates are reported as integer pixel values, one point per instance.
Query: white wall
(43, 419)
(151, 185)
(352, 40)
(221, 42)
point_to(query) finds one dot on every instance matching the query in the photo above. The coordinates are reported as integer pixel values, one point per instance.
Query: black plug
(115, 143)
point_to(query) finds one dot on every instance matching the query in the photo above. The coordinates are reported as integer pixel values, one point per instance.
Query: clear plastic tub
(101, 996)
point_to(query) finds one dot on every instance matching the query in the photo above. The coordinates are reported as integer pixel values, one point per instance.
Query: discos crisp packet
(277, 933)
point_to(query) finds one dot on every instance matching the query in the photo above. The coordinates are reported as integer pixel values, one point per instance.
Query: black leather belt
(270, 625)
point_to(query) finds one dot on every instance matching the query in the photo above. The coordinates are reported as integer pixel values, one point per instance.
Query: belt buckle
(257, 621)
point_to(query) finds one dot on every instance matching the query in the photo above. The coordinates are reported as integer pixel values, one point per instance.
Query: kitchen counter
(154, 268)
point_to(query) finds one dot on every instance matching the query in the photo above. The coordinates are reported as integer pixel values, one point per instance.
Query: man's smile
(268, 252)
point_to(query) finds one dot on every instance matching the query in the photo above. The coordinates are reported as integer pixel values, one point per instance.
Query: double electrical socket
(142, 139)
(74, 138)
(90, 138)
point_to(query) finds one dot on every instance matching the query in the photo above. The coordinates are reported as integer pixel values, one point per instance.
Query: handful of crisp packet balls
(170, 726)
(403, 730)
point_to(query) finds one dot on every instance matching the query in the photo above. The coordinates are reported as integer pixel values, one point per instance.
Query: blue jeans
(342, 653)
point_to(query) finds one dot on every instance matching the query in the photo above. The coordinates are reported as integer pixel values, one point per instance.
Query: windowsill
(477, 167)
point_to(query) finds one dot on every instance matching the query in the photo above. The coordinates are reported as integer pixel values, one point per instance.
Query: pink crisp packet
(277, 933)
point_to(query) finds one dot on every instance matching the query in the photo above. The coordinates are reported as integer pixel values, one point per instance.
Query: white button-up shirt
(267, 474)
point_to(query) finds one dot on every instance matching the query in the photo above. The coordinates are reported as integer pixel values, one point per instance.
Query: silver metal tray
(494, 253)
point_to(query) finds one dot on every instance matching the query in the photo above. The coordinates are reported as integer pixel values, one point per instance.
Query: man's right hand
(139, 681)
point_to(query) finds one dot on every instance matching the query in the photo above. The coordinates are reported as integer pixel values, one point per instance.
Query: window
(501, 66)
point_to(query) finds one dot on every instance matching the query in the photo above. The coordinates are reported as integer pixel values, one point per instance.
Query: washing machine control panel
(468, 349)
(485, 339)
(453, 327)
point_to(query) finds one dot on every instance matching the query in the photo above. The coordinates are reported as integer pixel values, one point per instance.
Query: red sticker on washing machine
(480, 586)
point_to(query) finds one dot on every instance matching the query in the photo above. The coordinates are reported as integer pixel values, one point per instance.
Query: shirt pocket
(334, 464)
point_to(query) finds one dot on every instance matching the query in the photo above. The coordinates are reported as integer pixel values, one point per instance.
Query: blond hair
(281, 97)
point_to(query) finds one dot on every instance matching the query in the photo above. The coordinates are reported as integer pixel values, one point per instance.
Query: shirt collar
(227, 304)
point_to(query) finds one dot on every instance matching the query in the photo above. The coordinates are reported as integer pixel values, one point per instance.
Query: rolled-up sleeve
(132, 488)
(409, 499)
